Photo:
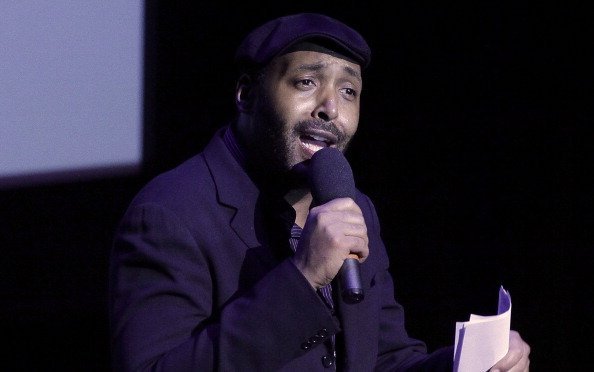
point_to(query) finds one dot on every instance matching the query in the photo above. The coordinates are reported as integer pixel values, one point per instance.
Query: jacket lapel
(234, 188)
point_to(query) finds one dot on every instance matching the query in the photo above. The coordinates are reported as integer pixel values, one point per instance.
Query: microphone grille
(331, 176)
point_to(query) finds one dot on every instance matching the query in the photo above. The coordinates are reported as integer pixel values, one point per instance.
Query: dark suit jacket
(197, 283)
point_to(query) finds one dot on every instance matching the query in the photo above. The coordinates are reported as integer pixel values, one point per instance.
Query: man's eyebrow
(354, 73)
(321, 65)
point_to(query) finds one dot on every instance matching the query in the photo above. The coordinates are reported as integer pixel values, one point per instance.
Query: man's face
(309, 100)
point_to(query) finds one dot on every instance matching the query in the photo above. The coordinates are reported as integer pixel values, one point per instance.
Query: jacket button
(306, 345)
(327, 361)
(318, 338)
(323, 333)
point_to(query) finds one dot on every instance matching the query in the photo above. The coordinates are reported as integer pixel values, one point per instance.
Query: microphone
(331, 177)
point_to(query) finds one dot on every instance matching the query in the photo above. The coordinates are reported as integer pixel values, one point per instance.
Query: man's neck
(300, 200)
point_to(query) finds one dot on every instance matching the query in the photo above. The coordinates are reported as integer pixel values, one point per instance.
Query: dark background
(474, 144)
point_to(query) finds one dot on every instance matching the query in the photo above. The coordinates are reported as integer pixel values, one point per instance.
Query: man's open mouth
(315, 140)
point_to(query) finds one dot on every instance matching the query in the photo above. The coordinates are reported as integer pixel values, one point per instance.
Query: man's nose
(327, 108)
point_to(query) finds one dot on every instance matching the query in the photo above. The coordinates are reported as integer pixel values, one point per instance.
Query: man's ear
(244, 93)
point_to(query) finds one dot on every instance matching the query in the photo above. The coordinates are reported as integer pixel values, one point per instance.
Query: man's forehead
(309, 60)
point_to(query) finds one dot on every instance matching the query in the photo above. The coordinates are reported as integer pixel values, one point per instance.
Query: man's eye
(351, 92)
(305, 82)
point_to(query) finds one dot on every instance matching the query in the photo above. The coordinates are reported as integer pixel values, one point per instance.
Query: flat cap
(276, 36)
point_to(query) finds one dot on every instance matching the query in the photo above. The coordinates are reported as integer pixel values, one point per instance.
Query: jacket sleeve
(397, 351)
(164, 315)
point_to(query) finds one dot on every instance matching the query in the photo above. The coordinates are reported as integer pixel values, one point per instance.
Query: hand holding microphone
(335, 235)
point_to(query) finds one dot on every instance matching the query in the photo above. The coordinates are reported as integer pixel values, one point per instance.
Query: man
(224, 263)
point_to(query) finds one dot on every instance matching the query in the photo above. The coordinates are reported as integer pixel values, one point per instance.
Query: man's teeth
(314, 142)
(317, 138)
(312, 147)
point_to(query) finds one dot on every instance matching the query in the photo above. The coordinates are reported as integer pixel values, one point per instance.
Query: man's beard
(270, 149)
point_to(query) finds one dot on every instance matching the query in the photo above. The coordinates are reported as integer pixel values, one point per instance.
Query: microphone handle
(350, 281)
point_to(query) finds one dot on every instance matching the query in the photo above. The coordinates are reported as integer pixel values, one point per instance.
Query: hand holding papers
(483, 340)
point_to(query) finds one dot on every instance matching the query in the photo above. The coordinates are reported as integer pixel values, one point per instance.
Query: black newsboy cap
(275, 36)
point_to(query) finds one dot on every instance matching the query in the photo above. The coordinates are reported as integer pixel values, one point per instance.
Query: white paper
(483, 340)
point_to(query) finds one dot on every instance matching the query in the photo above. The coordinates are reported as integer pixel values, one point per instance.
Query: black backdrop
(473, 143)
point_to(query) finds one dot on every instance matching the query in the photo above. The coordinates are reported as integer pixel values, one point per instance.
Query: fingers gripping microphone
(331, 177)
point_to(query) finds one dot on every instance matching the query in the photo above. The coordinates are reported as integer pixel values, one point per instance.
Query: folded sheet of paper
(483, 340)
